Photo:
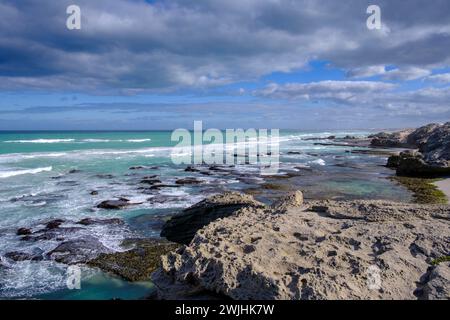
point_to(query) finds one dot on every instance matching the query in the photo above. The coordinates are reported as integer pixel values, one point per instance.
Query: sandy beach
(444, 185)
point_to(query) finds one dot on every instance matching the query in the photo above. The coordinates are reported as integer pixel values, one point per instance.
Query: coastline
(313, 250)
(350, 202)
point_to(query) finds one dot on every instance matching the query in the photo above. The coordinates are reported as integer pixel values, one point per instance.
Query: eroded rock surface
(432, 142)
(182, 227)
(317, 250)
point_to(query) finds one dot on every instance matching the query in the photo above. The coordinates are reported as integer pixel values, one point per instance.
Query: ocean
(64, 175)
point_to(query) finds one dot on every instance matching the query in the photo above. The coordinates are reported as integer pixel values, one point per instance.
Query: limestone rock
(182, 227)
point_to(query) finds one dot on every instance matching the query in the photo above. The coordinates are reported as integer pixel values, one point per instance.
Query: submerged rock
(94, 221)
(24, 256)
(78, 251)
(188, 180)
(136, 264)
(182, 227)
(191, 169)
(151, 181)
(23, 231)
(114, 204)
(54, 224)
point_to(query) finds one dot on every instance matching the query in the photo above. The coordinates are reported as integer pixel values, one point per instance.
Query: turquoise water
(49, 175)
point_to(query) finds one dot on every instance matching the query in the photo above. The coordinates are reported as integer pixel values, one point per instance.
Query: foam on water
(12, 173)
(40, 141)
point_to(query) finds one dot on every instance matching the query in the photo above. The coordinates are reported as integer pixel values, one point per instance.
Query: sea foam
(12, 173)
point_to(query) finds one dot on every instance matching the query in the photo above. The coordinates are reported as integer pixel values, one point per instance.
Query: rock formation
(317, 250)
(433, 144)
(182, 227)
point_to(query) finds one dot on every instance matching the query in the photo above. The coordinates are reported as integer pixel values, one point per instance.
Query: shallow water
(44, 176)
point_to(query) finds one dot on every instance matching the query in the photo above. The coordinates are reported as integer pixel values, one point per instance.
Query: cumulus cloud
(366, 72)
(342, 91)
(440, 78)
(396, 74)
(410, 73)
(134, 45)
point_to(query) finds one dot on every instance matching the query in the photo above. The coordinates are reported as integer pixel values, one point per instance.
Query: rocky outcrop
(182, 227)
(432, 143)
(392, 140)
(137, 263)
(413, 164)
(317, 250)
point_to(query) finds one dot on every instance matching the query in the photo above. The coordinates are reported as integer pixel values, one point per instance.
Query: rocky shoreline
(314, 250)
(322, 249)
(230, 245)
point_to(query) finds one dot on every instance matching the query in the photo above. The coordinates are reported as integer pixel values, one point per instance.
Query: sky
(288, 64)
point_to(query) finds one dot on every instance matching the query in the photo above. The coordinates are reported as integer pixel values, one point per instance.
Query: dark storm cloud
(134, 46)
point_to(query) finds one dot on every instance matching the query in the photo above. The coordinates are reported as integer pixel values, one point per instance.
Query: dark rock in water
(23, 256)
(78, 251)
(137, 168)
(54, 224)
(160, 198)
(393, 161)
(136, 264)
(93, 221)
(188, 181)
(294, 152)
(40, 237)
(191, 169)
(154, 176)
(68, 183)
(55, 232)
(219, 168)
(150, 181)
(182, 227)
(113, 204)
(412, 164)
(94, 193)
(23, 231)
(143, 168)
(104, 176)
(162, 185)
(150, 224)
(74, 171)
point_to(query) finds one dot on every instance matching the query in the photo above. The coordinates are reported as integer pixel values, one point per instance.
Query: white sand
(444, 185)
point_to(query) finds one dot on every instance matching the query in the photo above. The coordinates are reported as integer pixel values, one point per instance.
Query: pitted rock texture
(317, 250)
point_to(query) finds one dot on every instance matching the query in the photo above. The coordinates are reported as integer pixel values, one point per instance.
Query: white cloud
(167, 45)
(407, 73)
(440, 78)
(328, 90)
(366, 72)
